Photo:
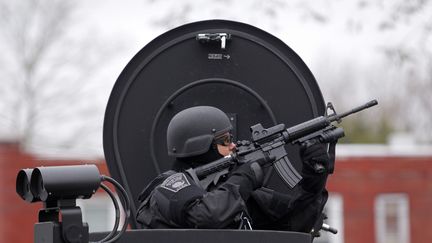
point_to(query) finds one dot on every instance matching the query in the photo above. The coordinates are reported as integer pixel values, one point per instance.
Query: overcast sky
(329, 35)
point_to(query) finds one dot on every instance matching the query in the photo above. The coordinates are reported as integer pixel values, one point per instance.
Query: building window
(334, 212)
(98, 212)
(392, 218)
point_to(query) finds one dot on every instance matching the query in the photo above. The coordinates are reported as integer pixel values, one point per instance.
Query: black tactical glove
(315, 167)
(315, 158)
(248, 176)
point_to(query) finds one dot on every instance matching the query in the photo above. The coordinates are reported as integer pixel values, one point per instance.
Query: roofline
(383, 150)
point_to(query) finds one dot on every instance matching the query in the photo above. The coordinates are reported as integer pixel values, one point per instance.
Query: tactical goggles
(224, 140)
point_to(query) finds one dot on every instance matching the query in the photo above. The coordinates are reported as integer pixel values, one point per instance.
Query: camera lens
(23, 185)
(43, 194)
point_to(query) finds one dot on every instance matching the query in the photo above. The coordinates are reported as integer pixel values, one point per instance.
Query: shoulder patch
(175, 182)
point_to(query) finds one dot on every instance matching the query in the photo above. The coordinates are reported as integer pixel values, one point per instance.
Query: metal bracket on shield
(214, 37)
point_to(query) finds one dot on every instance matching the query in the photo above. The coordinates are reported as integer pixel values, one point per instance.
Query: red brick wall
(18, 217)
(360, 180)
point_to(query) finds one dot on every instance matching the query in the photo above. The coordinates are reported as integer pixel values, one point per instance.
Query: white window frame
(336, 217)
(403, 223)
(334, 211)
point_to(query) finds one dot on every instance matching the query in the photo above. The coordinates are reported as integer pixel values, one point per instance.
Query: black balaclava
(191, 162)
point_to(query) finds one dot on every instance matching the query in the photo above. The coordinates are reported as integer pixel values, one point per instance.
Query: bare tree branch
(48, 69)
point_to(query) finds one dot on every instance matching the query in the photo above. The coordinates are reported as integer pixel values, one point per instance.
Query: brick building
(378, 194)
(383, 194)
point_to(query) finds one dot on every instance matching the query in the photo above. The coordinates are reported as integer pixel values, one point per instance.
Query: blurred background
(60, 59)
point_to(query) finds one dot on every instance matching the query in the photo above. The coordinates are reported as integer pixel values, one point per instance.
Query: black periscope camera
(58, 187)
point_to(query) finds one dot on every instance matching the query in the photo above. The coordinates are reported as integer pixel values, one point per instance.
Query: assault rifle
(268, 146)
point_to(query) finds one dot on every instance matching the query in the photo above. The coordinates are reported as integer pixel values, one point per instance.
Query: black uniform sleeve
(312, 195)
(219, 207)
(174, 195)
(179, 202)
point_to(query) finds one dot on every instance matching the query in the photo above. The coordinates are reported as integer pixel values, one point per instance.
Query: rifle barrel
(355, 110)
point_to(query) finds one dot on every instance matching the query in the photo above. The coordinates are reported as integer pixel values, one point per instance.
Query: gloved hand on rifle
(316, 162)
(249, 176)
(315, 158)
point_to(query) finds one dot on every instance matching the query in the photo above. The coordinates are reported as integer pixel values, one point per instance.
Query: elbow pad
(175, 194)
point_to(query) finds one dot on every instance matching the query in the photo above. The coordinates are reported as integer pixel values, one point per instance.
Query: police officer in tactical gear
(200, 135)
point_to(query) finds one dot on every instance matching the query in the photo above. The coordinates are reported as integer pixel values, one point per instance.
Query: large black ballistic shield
(248, 73)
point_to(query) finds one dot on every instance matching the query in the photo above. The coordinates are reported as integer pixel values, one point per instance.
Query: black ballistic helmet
(191, 131)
